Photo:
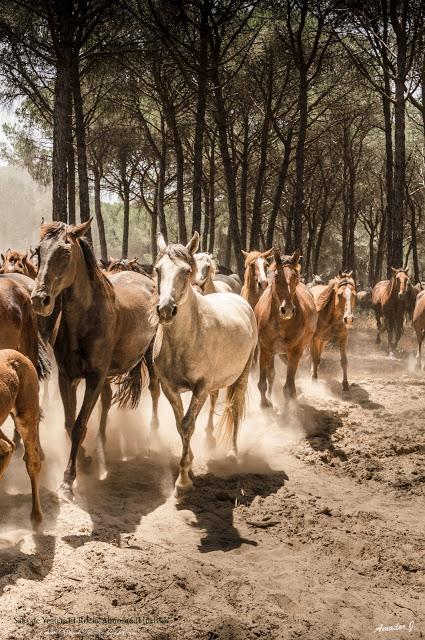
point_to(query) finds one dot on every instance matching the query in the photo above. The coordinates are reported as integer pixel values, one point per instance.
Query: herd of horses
(179, 325)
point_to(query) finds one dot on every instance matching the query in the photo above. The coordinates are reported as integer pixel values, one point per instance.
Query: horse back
(419, 312)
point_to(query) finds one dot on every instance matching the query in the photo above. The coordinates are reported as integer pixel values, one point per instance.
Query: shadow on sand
(216, 493)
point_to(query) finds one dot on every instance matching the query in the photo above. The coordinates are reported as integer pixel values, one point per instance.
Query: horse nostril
(174, 311)
(157, 309)
(46, 301)
(282, 310)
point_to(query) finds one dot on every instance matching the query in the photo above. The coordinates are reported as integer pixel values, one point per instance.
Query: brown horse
(287, 319)
(389, 303)
(255, 276)
(122, 264)
(105, 329)
(419, 325)
(335, 305)
(19, 398)
(18, 262)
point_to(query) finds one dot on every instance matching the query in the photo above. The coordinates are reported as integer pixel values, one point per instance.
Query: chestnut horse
(335, 305)
(419, 325)
(205, 273)
(203, 344)
(105, 329)
(18, 262)
(255, 276)
(389, 303)
(19, 398)
(287, 319)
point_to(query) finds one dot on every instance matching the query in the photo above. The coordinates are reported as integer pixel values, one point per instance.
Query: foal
(335, 304)
(19, 398)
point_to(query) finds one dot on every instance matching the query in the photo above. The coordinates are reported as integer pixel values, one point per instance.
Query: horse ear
(104, 263)
(2, 257)
(25, 256)
(349, 274)
(276, 255)
(407, 270)
(245, 253)
(394, 269)
(160, 243)
(78, 230)
(192, 245)
(296, 256)
(267, 254)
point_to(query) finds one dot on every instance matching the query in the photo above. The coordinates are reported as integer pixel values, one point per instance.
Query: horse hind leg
(211, 441)
(266, 363)
(154, 388)
(234, 411)
(6, 451)
(105, 405)
(184, 481)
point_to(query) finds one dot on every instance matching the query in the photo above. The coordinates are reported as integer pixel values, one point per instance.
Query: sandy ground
(317, 532)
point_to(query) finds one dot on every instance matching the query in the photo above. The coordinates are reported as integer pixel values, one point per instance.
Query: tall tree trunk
(161, 183)
(259, 186)
(154, 224)
(211, 191)
(80, 134)
(126, 221)
(244, 180)
(70, 161)
(206, 230)
(98, 214)
(283, 172)
(201, 106)
(228, 171)
(60, 139)
(170, 114)
(300, 159)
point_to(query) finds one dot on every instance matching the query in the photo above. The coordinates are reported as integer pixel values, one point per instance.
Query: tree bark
(80, 134)
(283, 172)
(98, 214)
(60, 139)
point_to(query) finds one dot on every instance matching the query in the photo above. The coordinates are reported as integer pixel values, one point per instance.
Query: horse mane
(212, 262)
(179, 252)
(248, 275)
(326, 295)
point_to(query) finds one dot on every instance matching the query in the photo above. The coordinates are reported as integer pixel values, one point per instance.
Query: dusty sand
(317, 532)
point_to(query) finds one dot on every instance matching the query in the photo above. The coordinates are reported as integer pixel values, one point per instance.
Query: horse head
(58, 254)
(286, 271)
(256, 267)
(176, 269)
(401, 281)
(205, 269)
(345, 295)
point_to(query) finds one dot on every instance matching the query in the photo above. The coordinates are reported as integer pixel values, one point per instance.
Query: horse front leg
(154, 388)
(266, 364)
(184, 483)
(7, 448)
(420, 337)
(94, 384)
(105, 404)
(294, 357)
(344, 360)
(316, 352)
(68, 391)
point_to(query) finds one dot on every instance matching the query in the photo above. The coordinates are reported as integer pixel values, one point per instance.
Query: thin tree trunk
(200, 125)
(98, 214)
(161, 183)
(126, 221)
(80, 134)
(300, 160)
(70, 161)
(283, 172)
(211, 191)
(244, 181)
(60, 138)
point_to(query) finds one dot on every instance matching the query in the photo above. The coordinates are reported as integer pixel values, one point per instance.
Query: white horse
(203, 344)
(205, 272)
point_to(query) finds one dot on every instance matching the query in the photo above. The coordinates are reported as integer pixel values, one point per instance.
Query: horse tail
(227, 428)
(43, 366)
(131, 385)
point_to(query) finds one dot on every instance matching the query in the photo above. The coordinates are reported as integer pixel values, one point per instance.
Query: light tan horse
(19, 398)
(335, 304)
(203, 344)
(205, 273)
(255, 276)
(287, 319)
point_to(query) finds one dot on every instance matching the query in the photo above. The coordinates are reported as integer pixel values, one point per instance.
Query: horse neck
(81, 292)
(392, 287)
(249, 281)
(209, 283)
(186, 318)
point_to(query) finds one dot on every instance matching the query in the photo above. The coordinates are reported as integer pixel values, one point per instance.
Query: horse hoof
(65, 492)
(103, 475)
(266, 404)
(345, 386)
(85, 462)
(181, 490)
(36, 522)
(232, 456)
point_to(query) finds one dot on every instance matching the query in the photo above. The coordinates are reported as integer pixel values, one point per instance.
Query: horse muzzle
(348, 320)
(287, 313)
(262, 285)
(401, 295)
(42, 302)
(166, 312)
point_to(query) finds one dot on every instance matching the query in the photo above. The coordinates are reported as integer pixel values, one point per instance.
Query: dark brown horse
(18, 262)
(389, 304)
(287, 319)
(105, 329)
(255, 276)
(335, 305)
(19, 398)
